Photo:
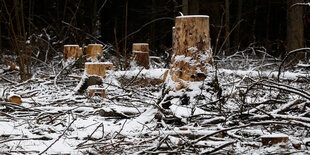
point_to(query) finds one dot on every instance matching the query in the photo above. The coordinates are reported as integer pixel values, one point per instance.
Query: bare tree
(295, 28)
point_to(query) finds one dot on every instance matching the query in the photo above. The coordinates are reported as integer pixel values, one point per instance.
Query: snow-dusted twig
(24, 139)
(239, 127)
(63, 133)
(218, 148)
(288, 55)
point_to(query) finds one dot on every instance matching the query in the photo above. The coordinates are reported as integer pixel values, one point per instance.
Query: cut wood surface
(72, 52)
(93, 51)
(191, 48)
(15, 99)
(140, 54)
(97, 68)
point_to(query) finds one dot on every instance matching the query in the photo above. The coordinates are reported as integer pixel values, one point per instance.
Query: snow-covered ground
(141, 115)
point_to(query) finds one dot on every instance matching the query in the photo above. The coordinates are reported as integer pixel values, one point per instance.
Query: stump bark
(98, 69)
(192, 57)
(97, 91)
(140, 54)
(93, 51)
(72, 52)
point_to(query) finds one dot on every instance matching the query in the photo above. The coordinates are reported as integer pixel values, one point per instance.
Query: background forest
(45, 26)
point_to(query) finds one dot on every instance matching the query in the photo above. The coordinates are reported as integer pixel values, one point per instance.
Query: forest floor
(242, 110)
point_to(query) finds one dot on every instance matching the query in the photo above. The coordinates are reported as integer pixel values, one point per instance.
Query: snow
(280, 135)
(71, 45)
(95, 45)
(105, 63)
(140, 44)
(193, 16)
(134, 51)
(47, 111)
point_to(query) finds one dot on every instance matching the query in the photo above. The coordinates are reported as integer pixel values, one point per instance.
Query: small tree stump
(140, 54)
(192, 49)
(97, 91)
(93, 51)
(72, 52)
(274, 139)
(97, 68)
(15, 99)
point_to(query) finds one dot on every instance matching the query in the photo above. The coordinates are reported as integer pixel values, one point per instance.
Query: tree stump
(97, 91)
(140, 54)
(192, 59)
(191, 48)
(72, 52)
(98, 69)
(274, 139)
(93, 51)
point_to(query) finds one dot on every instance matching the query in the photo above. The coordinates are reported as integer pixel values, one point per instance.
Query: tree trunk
(185, 7)
(227, 28)
(237, 32)
(0, 37)
(295, 28)
(72, 52)
(193, 7)
(192, 49)
(140, 54)
(93, 51)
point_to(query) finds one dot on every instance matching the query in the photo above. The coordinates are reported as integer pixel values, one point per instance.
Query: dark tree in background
(277, 25)
(295, 27)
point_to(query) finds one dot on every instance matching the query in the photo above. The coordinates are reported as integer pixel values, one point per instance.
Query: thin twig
(59, 136)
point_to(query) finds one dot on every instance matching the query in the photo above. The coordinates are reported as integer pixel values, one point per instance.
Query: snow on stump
(274, 139)
(72, 52)
(192, 55)
(15, 99)
(93, 51)
(97, 68)
(140, 54)
(97, 92)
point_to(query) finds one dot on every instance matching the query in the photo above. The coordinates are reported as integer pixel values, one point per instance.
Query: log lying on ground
(72, 52)
(140, 54)
(93, 51)
(192, 50)
(274, 139)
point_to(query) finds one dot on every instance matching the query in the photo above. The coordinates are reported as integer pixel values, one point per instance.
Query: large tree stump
(191, 48)
(98, 68)
(93, 51)
(140, 54)
(72, 52)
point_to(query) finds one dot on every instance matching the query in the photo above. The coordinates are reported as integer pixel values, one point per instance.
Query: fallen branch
(287, 56)
(219, 148)
(239, 127)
